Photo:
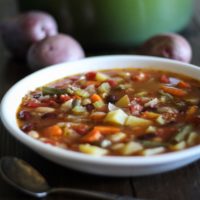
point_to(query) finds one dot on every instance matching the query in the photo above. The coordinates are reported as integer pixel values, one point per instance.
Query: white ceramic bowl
(107, 165)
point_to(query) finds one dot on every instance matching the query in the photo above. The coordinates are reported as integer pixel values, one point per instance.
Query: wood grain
(181, 184)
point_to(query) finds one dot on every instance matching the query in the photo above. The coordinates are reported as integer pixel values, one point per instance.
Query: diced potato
(101, 77)
(153, 151)
(117, 117)
(131, 148)
(179, 146)
(193, 138)
(92, 150)
(123, 102)
(117, 137)
(34, 134)
(137, 121)
(117, 146)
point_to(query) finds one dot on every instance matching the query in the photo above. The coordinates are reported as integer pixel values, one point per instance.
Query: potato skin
(20, 32)
(52, 50)
(168, 45)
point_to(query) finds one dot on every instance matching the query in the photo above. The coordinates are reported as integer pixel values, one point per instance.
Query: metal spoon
(24, 177)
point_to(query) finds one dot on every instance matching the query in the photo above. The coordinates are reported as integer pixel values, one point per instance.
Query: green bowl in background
(113, 24)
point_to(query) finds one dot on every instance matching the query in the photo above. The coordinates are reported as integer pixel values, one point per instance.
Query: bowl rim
(81, 157)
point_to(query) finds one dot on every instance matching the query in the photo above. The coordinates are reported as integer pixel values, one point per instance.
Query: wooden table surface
(181, 184)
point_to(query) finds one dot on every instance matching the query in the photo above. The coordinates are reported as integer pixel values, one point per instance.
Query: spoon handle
(91, 194)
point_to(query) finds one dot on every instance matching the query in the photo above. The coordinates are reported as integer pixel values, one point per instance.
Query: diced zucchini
(67, 105)
(152, 144)
(78, 110)
(160, 120)
(131, 148)
(104, 88)
(153, 151)
(137, 121)
(117, 137)
(117, 117)
(92, 150)
(193, 138)
(123, 101)
(183, 133)
(101, 77)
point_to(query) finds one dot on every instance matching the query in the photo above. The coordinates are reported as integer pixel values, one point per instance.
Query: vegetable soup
(120, 112)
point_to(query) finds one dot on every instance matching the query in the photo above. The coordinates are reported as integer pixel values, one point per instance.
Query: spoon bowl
(27, 179)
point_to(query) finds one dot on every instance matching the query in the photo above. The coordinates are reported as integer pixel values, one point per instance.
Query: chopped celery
(53, 91)
(181, 145)
(82, 93)
(151, 144)
(116, 117)
(123, 101)
(137, 121)
(141, 94)
(183, 133)
(153, 151)
(104, 88)
(98, 104)
(124, 86)
(193, 138)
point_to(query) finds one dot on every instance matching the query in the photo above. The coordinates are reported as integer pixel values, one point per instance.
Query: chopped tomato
(90, 75)
(164, 79)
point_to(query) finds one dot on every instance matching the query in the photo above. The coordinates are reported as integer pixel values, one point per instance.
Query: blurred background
(111, 24)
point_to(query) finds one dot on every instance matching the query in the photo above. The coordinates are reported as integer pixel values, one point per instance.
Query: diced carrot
(174, 91)
(150, 115)
(92, 136)
(95, 97)
(97, 117)
(90, 83)
(107, 129)
(183, 84)
(52, 131)
(190, 113)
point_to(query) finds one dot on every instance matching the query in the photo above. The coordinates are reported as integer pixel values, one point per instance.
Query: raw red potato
(168, 45)
(20, 32)
(85, 113)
